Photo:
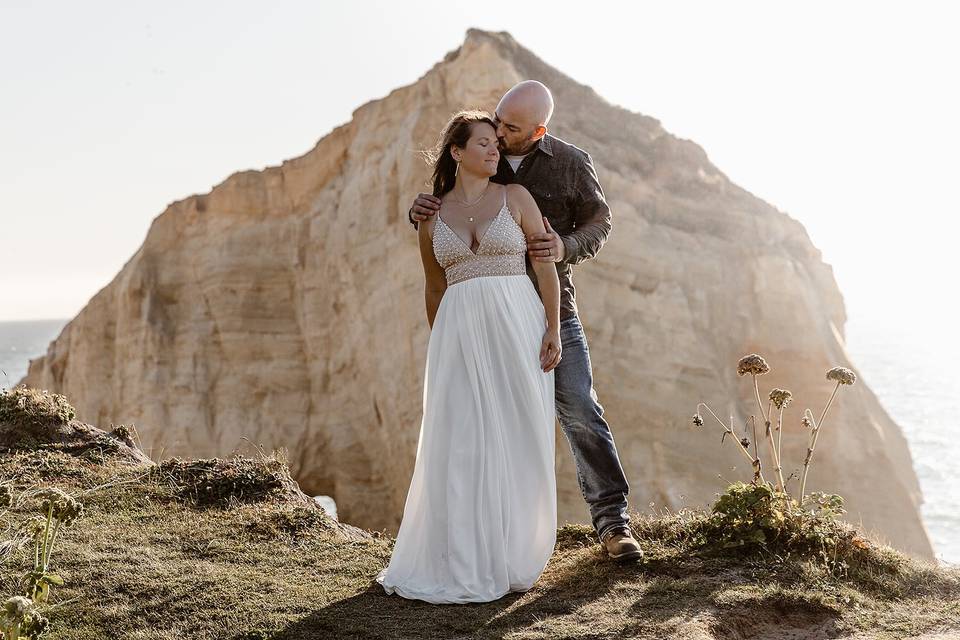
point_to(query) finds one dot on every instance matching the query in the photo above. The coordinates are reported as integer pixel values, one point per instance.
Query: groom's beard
(504, 149)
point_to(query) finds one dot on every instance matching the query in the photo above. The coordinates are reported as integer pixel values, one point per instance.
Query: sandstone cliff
(285, 306)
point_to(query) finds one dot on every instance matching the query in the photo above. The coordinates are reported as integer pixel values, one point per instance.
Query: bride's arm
(435, 280)
(531, 221)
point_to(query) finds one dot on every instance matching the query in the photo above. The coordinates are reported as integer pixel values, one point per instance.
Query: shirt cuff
(570, 247)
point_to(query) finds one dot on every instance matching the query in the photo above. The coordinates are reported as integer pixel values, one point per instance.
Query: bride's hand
(550, 350)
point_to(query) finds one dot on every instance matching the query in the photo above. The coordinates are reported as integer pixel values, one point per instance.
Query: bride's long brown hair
(456, 133)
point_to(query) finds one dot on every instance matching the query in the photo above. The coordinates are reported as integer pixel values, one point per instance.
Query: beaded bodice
(501, 252)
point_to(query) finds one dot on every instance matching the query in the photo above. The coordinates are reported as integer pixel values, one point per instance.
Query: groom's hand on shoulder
(424, 207)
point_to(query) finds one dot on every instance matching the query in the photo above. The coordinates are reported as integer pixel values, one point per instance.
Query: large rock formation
(285, 307)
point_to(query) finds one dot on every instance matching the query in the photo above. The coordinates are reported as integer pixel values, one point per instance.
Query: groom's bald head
(530, 99)
(522, 116)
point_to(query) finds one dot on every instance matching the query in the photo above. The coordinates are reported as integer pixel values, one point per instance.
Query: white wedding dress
(480, 516)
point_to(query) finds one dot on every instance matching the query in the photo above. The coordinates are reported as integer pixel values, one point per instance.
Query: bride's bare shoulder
(517, 191)
(519, 199)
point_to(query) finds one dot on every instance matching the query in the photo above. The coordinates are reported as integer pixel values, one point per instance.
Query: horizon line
(36, 319)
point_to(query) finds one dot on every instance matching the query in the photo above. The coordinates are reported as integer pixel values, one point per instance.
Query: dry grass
(226, 549)
(146, 561)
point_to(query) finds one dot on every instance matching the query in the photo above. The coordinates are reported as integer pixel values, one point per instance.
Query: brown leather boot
(621, 545)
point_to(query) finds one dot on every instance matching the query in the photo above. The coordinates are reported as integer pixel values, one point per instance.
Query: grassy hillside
(208, 549)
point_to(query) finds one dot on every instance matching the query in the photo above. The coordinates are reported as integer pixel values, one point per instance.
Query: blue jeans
(602, 481)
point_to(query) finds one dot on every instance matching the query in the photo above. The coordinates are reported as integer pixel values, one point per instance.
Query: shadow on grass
(374, 614)
(656, 598)
(669, 603)
(582, 594)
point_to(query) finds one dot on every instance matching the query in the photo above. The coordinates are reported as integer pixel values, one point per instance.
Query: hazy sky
(844, 115)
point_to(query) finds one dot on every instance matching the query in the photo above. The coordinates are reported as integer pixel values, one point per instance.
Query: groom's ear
(539, 132)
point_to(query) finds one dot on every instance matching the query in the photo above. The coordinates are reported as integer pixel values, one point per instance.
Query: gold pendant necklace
(475, 202)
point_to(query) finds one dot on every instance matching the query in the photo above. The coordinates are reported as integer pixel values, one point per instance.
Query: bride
(481, 512)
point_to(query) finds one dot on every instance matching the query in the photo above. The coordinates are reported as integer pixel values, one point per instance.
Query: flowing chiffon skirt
(480, 517)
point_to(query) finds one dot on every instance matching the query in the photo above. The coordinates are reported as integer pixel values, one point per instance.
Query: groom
(564, 184)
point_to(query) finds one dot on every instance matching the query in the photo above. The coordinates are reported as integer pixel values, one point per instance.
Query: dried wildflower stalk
(842, 376)
(755, 365)
(754, 462)
(779, 398)
(756, 451)
(769, 437)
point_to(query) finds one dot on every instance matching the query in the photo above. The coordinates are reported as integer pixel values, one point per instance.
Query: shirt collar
(545, 146)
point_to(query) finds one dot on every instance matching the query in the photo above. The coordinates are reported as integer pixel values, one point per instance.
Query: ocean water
(913, 374)
(20, 341)
(915, 382)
